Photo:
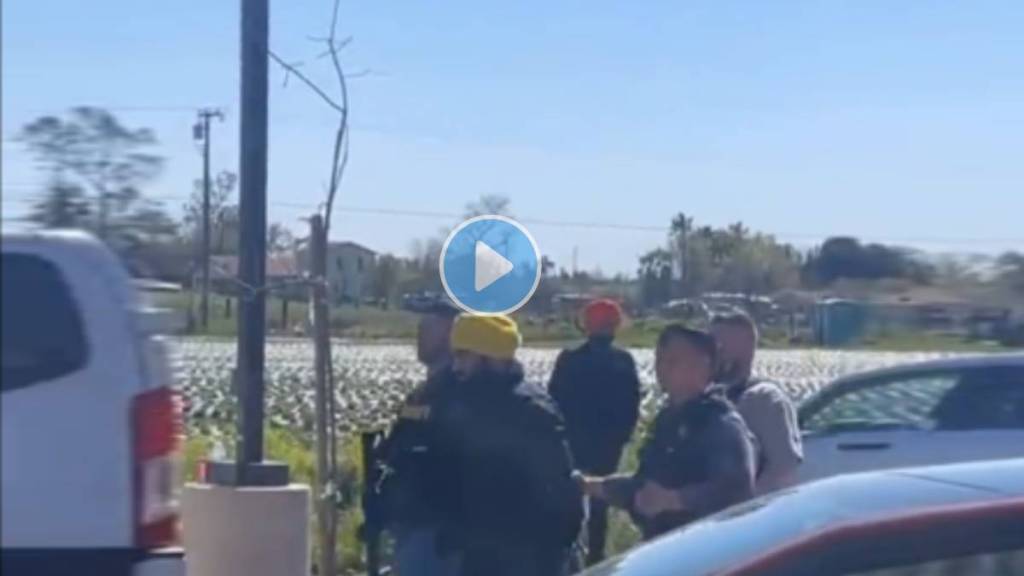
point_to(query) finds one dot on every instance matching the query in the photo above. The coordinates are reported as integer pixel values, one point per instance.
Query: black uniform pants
(597, 531)
(504, 559)
(597, 523)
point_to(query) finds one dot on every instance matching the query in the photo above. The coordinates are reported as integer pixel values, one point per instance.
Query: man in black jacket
(413, 483)
(598, 391)
(519, 509)
(699, 457)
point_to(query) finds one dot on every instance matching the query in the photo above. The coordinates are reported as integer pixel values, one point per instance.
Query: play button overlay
(490, 265)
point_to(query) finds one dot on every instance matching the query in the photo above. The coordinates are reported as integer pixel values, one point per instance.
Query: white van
(91, 426)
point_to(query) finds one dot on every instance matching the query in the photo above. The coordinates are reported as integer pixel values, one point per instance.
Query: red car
(953, 520)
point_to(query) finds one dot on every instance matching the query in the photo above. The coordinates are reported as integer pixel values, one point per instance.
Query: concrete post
(246, 531)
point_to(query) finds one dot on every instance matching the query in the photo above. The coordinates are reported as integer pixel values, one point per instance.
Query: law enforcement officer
(597, 390)
(519, 509)
(699, 456)
(412, 482)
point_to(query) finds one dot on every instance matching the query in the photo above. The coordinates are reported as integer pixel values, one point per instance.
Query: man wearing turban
(597, 390)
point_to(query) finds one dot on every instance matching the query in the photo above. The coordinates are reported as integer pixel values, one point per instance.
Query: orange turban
(602, 316)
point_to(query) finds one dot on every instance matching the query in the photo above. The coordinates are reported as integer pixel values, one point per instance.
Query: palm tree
(680, 231)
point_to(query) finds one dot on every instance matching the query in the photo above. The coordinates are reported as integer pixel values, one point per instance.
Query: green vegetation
(926, 342)
(285, 446)
(372, 324)
(288, 447)
(224, 312)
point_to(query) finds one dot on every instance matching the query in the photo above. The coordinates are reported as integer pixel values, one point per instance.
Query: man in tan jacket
(764, 406)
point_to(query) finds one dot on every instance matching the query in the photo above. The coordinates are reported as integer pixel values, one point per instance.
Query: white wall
(349, 271)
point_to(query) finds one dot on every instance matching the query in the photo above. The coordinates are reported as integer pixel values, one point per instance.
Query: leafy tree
(1011, 270)
(91, 149)
(758, 266)
(952, 271)
(65, 206)
(386, 275)
(738, 232)
(547, 265)
(655, 277)
(845, 257)
(730, 259)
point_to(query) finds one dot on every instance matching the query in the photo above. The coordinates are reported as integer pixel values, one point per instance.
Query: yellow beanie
(492, 336)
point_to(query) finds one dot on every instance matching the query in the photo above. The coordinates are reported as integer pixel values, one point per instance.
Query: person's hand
(653, 499)
(590, 485)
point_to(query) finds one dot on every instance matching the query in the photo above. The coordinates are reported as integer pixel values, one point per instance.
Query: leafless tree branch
(341, 142)
(292, 69)
(339, 161)
(340, 154)
(360, 74)
(334, 21)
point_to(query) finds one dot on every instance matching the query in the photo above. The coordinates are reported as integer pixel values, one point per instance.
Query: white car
(942, 411)
(91, 428)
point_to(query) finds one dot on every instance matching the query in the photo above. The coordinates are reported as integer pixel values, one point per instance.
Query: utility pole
(235, 529)
(252, 259)
(202, 130)
(250, 469)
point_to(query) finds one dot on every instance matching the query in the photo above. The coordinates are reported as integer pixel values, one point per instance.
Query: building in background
(282, 271)
(350, 271)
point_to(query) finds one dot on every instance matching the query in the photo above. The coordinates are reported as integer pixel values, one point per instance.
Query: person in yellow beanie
(519, 509)
(484, 342)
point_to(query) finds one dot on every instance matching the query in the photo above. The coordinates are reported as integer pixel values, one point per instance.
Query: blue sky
(894, 121)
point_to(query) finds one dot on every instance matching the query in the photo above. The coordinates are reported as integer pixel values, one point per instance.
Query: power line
(129, 108)
(594, 225)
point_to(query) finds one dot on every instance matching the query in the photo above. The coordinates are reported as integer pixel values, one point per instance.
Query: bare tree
(223, 212)
(279, 238)
(488, 204)
(327, 448)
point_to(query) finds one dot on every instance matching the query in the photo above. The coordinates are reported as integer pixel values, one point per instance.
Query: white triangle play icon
(489, 266)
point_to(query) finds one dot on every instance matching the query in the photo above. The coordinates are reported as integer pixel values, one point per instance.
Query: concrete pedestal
(245, 531)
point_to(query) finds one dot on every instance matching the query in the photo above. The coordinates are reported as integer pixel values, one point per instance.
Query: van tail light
(159, 430)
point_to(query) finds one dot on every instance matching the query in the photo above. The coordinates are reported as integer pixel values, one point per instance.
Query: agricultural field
(373, 379)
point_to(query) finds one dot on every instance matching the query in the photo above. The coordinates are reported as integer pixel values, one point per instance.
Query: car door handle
(864, 446)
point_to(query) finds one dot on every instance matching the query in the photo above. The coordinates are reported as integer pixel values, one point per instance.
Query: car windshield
(748, 530)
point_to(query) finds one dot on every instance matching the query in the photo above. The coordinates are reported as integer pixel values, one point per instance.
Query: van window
(43, 335)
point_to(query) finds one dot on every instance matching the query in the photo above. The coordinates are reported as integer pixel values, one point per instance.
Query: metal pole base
(230, 473)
